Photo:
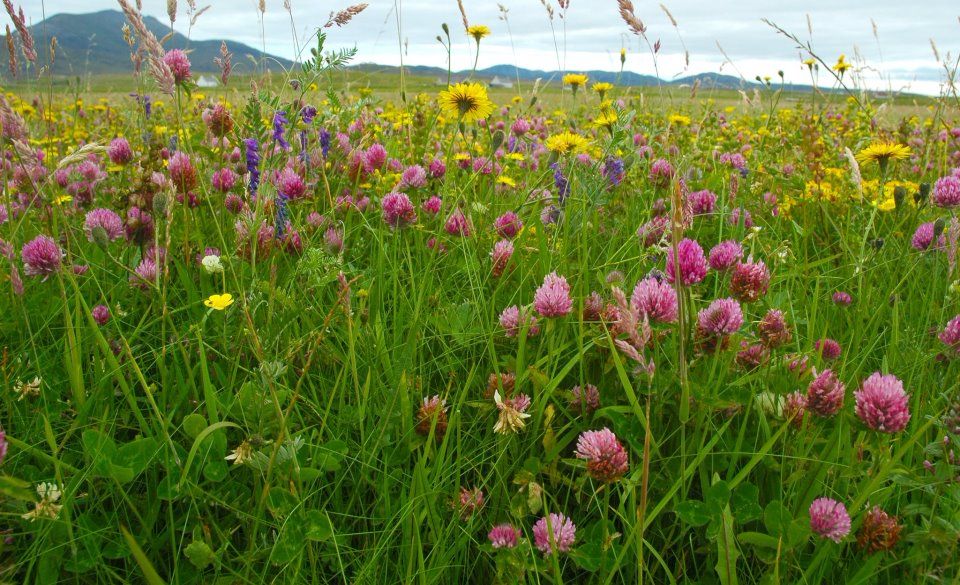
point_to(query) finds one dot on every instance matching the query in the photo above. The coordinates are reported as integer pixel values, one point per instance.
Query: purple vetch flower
(41, 256)
(829, 519)
(552, 299)
(324, 142)
(613, 170)
(561, 183)
(308, 113)
(280, 122)
(554, 533)
(882, 404)
(253, 165)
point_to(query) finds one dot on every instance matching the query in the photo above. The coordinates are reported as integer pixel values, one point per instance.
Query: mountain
(93, 43)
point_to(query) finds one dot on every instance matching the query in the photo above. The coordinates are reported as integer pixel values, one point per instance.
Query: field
(333, 326)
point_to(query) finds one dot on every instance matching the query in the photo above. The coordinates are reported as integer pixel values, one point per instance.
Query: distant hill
(93, 43)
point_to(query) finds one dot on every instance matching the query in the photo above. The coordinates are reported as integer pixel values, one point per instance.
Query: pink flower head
(413, 177)
(605, 456)
(501, 254)
(513, 319)
(182, 172)
(794, 408)
(882, 404)
(504, 536)
(508, 225)
(842, 299)
(950, 336)
(773, 329)
(735, 217)
(652, 232)
(374, 158)
(825, 394)
(749, 281)
(923, 238)
(554, 533)
(104, 224)
(721, 318)
(458, 224)
(224, 179)
(656, 299)
(725, 255)
(661, 172)
(41, 256)
(829, 519)
(692, 265)
(471, 501)
(179, 64)
(119, 151)
(552, 299)
(432, 205)
(398, 211)
(290, 183)
(101, 314)
(828, 348)
(946, 192)
(586, 399)
(702, 202)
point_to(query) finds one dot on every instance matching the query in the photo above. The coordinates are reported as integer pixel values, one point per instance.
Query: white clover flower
(212, 264)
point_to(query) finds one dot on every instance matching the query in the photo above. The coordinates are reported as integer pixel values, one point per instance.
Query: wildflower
(842, 299)
(825, 394)
(841, 65)
(458, 224)
(253, 164)
(652, 232)
(656, 300)
(585, 399)
(398, 211)
(478, 31)
(413, 177)
(829, 519)
(773, 329)
(501, 254)
(508, 225)
(101, 314)
(432, 414)
(882, 153)
(290, 183)
(503, 536)
(946, 192)
(721, 318)
(552, 299)
(735, 216)
(242, 454)
(3, 445)
(614, 170)
(218, 120)
(182, 172)
(882, 404)
(605, 456)
(513, 318)
(466, 101)
(504, 380)
(211, 263)
(432, 205)
(119, 151)
(575, 81)
(828, 348)
(661, 172)
(602, 87)
(924, 236)
(878, 532)
(471, 501)
(41, 256)
(554, 533)
(724, 255)
(102, 225)
(25, 389)
(280, 122)
(179, 65)
(219, 302)
(751, 356)
(512, 413)
(691, 267)
(950, 336)
(224, 179)
(702, 202)
(567, 142)
(749, 281)
(794, 408)
(47, 507)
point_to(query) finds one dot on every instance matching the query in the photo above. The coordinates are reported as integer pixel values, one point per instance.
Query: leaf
(694, 512)
(759, 539)
(727, 551)
(319, 527)
(777, 518)
(200, 554)
(137, 454)
(281, 502)
(745, 503)
(717, 496)
(194, 424)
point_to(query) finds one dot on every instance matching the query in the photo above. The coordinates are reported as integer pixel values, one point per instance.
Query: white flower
(212, 264)
(47, 507)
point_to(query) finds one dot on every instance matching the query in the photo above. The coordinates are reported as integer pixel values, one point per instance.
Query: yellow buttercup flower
(478, 31)
(467, 101)
(219, 302)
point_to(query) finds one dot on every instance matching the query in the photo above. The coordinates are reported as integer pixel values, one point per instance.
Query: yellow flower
(809, 63)
(505, 180)
(478, 31)
(219, 302)
(605, 119)
(575, 80)
(678, 120)
(881, 152)
(62, 199)
(467, 101)
(841, 64)
(567, 142)
(602, 88)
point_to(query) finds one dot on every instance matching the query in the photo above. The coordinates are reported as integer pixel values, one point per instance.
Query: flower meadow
(283, 331)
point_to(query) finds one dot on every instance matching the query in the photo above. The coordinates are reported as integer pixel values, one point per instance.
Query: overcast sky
(592, 33)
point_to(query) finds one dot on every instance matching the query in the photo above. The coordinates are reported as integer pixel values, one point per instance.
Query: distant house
(207, 81)
(504, 83)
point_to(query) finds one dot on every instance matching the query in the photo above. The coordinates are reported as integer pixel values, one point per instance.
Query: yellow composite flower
(505, 180)
(575, 80)
(842, 64)
(219, 302)
(678, 120)
(881, 152)
(478, 31)
(466, 101)
(605, 119)
(602, 87)
(567, 142)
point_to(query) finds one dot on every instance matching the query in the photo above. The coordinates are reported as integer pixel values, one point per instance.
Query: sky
(889, 40)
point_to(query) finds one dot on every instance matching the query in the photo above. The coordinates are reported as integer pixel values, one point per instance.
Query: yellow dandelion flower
(467, 101)
(219, 302)
(881, 152)
(567, 142)
(478, 31)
